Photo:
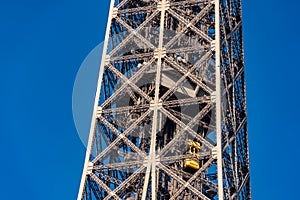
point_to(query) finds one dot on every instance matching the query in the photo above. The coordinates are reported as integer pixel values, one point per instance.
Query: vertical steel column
(218, 101)
(151, 166)
(96, 102)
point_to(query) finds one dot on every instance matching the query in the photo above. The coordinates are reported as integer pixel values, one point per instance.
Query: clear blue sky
(42, 44)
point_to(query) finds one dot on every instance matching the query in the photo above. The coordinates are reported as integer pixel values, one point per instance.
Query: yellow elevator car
(193, 162)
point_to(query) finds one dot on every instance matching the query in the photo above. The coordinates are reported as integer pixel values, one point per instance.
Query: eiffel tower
(169, 120)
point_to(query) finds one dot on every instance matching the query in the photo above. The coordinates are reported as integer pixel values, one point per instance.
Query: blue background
(42, 46)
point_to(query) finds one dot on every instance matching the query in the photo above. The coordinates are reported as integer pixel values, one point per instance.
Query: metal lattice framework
(172, 71)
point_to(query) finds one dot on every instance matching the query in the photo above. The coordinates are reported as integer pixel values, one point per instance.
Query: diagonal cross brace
(204, 167)
(123, 184)
(193, 77)
(177, 84)
(125, 80)
(184, 127)
(195, 20)
(133, 33)
(181, 181)
(121, 136)
(131, 79)
(104, 186)
(189, 25)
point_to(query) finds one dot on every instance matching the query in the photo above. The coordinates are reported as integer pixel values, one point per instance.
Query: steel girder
(172, 71)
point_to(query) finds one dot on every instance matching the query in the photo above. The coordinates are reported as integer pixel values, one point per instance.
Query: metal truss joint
(90, 168)
(107, 59)
(213, 97)
(114, 12)
(160, 53)
(154, 104)
(157, 160)
(163, 5)
(214, 153)
(213, 45)
(99, 111)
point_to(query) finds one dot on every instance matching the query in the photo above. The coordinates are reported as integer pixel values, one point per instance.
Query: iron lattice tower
(169, 120)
